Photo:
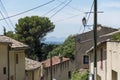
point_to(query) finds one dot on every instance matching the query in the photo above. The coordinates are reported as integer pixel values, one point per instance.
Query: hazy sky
(68, 20)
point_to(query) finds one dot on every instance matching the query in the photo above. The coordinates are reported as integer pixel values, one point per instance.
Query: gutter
(8, 63)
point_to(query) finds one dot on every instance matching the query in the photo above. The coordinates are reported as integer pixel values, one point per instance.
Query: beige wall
(111, 61)
(33, 74)
(59, 71)
(84, 42)
(12, 65)
(3, 61)
(17, 71)
(29, 75)
(100, 71)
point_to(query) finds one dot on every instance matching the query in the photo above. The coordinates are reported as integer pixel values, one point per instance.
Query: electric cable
(28, 10)
(54, 8)
(60, 9)
(4, 19)
(68, 18)
(71, 6)
(6, 14)
(89, 13)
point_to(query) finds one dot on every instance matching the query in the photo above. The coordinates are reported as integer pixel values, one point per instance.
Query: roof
(101, 30)
(31, 64)
(55, 61)
(15, 43)
(99, 43)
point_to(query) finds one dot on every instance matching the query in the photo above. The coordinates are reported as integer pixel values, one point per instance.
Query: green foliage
(11, 34)
(46, 48)
(80, 75)
(66, 49)
(31, 30)
(116, 37)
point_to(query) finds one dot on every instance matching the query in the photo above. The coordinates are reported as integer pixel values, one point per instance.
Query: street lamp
(84, 21)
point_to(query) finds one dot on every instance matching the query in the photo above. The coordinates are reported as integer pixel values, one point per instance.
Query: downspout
(32, 74)
(106, 66)
(15, 63)
(8, 63)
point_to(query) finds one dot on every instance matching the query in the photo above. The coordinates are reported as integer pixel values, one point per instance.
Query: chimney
(99, 27)
(60, 58)
(42, 69)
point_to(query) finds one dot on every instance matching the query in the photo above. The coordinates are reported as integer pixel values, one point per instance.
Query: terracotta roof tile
(31, 64)
(55, 60)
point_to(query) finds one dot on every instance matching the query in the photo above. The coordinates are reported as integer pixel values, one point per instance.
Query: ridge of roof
(55, 61)
(31, 64)
(15, 43)
(105, 27)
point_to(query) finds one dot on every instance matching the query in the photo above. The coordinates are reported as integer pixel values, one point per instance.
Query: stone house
(61, 68)
(32, 69)
(12, 59)
(108, 55)
(84, 42)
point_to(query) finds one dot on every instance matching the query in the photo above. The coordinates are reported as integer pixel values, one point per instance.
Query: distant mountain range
(54, 40)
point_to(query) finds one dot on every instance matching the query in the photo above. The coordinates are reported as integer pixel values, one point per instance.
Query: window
(101, 58)
(4, 70)
(17, 60)
(69, 74)
(85, 59)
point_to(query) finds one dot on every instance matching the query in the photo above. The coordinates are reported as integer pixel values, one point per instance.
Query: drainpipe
(32, 74)
(8, 62)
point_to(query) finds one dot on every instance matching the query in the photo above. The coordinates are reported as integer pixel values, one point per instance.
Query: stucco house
(61, 68)
(108, 55)
(32, 69)
(84, 42)
(12, 59)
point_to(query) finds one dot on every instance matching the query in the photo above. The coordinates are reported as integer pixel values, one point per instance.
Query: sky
(67, 21)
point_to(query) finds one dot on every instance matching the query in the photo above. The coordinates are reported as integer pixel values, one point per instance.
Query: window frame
(85, 59)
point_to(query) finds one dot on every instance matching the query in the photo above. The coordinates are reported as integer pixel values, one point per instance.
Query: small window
(4, 70)
(101, 58)
(85, 59)
(17, 59)
(69, 74)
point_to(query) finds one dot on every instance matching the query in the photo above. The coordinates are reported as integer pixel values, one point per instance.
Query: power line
(76, 15)
(4, 19)
(68, 18)
(60, 9)
(71, 7)
(28, 10)
(6, 13)
(54, 8)
(89, 13)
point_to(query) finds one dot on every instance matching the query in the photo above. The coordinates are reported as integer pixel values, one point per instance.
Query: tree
(116, 37)
(66, 49)
(31, 30)
(76, 75)
(46, 48)
(11, 34)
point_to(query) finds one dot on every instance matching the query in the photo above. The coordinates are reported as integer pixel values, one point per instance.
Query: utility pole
(95, 39)
(51, 66)
(95, 36)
